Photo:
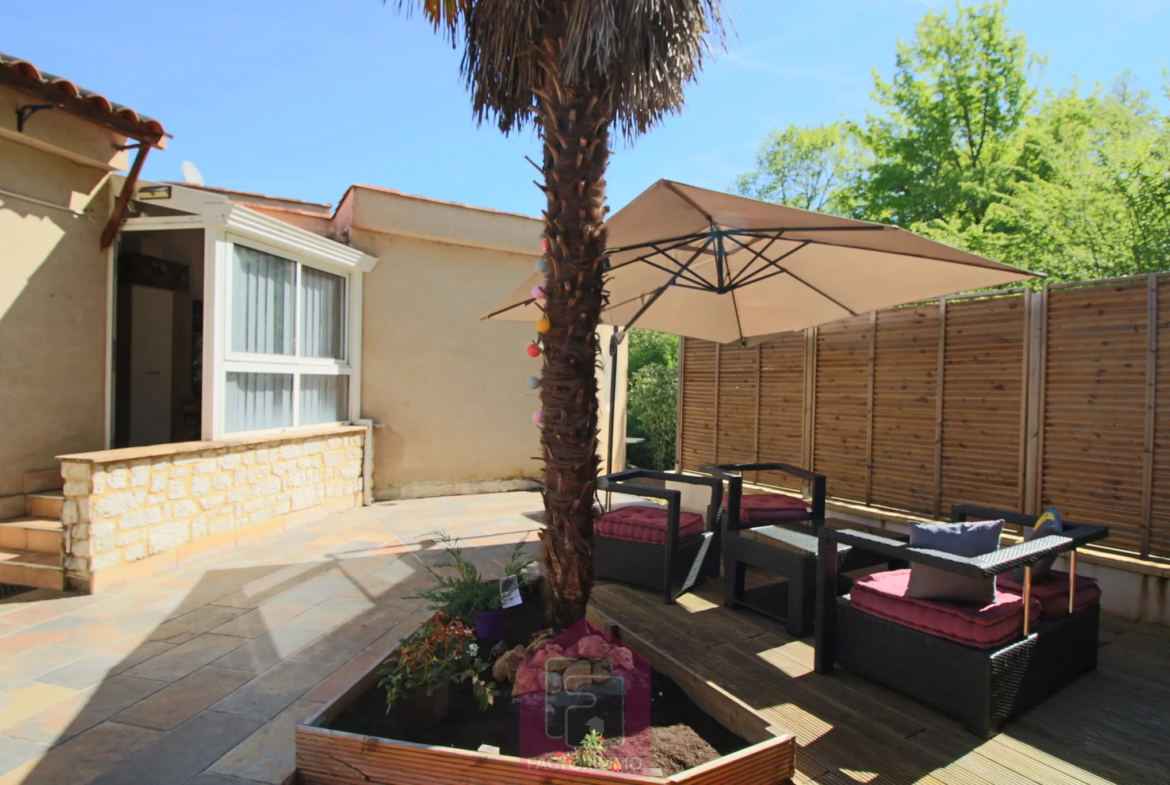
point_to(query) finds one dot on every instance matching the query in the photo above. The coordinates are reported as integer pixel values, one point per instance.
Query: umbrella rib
(754, 277)
(758, 255)
(738, 324)
(694, 205)
(822, 294)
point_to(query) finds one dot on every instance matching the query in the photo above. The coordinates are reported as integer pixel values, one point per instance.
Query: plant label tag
(510, 592)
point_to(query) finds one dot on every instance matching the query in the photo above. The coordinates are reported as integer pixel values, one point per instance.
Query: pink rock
(528, 679)
(621, 658)
(591, 646)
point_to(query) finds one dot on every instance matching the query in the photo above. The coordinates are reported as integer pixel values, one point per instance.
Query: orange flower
(615, 766)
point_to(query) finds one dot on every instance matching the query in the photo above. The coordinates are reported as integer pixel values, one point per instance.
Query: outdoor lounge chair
(970, 661)
(761, 509)
(654, 545)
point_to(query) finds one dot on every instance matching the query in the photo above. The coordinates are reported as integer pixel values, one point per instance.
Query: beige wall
(53, 292)
(448, 389)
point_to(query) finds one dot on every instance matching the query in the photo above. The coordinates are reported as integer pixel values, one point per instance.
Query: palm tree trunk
(574, 121)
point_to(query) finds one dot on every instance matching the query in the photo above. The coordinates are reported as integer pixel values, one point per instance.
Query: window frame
(223, 359)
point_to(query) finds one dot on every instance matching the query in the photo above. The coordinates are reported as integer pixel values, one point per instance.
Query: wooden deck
(1110, 726)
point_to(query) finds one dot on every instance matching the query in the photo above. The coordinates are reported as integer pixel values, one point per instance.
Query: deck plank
(1107, 727)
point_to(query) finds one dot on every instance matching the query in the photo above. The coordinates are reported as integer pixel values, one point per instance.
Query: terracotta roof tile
(71, 91)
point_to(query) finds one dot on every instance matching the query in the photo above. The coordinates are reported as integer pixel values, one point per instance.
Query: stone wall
(142, 510)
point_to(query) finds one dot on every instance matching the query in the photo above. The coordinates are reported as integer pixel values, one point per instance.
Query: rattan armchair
(675, 561)
(982, 687)
(733, 474)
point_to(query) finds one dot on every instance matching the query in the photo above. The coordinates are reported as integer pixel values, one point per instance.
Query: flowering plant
(442, 651)
(590, 755)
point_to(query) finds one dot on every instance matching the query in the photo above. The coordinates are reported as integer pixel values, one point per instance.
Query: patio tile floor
(201, 675)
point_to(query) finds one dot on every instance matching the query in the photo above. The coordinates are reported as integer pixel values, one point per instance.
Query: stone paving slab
(200, 675)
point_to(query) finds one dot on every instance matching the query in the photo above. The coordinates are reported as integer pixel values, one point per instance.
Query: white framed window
(285, 340)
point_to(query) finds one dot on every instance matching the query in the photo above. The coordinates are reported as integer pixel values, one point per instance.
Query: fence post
(1041, 397)
(940, 374)
(869, 410)
(678, 426)
(756, 428)
(1025, 405)
(1151, 407)
(808, 433)
(715, 429)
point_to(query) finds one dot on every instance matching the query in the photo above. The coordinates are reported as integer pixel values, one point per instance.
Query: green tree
(575, 69)
(652, 410)
(947, 142)
(810, 167)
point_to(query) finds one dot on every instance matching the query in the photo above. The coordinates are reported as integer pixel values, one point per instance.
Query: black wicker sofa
(653, 545)
(981, 687)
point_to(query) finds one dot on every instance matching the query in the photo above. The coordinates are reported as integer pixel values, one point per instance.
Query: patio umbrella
(724, 268)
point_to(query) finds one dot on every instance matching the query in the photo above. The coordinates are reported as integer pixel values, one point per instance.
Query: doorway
(158, 338)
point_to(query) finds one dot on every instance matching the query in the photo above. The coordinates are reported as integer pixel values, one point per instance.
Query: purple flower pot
(489, 625)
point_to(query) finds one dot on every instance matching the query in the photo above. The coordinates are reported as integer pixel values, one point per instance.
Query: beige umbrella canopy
(720, 267)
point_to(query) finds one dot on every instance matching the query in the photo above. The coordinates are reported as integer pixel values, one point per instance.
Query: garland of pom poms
(542, 327)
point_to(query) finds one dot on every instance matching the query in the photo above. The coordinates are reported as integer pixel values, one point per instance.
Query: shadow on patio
(202, 675)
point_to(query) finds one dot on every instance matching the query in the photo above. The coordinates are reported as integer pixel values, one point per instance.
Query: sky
(301, 98)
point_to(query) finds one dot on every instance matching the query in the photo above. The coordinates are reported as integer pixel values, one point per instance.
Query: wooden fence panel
(1095, 406)
(782, 405)
(1160, 479)
(905, 408)
(842, 394)
(698, 385)
(983, 389)
(738, 389)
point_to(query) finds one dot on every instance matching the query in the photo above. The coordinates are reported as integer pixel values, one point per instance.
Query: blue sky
(301, 98)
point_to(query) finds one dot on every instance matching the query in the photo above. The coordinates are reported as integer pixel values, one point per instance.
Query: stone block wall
(130, 512)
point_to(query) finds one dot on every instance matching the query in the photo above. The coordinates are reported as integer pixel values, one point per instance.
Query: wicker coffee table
(786, 551)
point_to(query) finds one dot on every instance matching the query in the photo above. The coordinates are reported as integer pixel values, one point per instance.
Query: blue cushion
(960, 539)
(1048, 523)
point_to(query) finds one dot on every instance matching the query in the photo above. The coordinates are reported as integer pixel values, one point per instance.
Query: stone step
(32, 533)
(29, 568)
(46, 480)
(46, 504)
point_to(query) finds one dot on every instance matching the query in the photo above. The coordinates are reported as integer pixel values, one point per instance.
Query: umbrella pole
(614, 340)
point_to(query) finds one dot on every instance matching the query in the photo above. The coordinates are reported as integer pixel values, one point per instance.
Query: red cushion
(1051, 591)
(985, 627)
(771, 508)
(646, 524)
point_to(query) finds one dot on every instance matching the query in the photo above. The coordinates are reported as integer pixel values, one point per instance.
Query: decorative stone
(558, 664)
(578, 675)
(553, 683)
(601, 671)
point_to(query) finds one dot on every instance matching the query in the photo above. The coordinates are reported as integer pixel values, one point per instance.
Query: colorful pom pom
(533, 382)
(537, 292)
(542, 266)
(542, 326)
(533, 350)
(538, 417)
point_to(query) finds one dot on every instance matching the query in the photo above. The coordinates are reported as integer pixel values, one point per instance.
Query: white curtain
(322, 314)
(258, 401)
(324, 399)
(263, 309)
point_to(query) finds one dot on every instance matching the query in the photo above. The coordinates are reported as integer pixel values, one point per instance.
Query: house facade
(185, 367)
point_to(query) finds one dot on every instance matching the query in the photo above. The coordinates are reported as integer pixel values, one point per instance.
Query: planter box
(330, 757)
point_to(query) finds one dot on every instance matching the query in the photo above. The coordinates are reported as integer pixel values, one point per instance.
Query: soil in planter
(682, 735)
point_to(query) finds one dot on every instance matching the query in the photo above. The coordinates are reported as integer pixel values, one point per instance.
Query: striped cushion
(771, 508)
(646, 524)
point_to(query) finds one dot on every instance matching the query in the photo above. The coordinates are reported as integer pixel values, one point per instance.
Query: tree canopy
(965, 144)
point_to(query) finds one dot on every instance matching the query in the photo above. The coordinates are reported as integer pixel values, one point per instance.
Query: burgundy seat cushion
(771, 508)
(1051, 591)
(646, 524)
(982, 626)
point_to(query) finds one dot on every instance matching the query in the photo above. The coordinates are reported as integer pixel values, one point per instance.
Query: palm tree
(575, 68)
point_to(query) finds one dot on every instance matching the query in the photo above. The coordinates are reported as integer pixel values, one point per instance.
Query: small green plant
(461, 591)
(442, 651)
(589, 755)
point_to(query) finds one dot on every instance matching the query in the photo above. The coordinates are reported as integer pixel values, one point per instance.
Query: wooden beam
(1151, 410)
(715, 429)
(809, 404)
(756, 427)
(1036, 304)
(869, 409)
(1042, 396)
(940, 372)
(124, 197)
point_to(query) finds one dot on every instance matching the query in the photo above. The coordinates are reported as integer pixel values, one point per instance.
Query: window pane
(324, 399)
(263, 309)
(258, 401)
(322, 314)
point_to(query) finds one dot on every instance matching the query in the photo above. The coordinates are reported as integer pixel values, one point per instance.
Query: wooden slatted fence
(1019, 400)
